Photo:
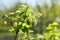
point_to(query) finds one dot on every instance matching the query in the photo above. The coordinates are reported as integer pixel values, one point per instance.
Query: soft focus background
(49, 9)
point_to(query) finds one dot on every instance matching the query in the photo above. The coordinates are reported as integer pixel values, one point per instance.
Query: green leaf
(6, 16)
(15, 23)
(25, 29)
(24, 6)
(27, 26)
(20, 23)
(11, 13)
(18, 11)
(24, 24)
(5, 22)
(31, 31)
(55, 23)
(12, 29)
(29, 10)
(49, 28)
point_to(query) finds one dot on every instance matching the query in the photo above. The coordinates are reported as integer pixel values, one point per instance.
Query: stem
(28, 35)
(17, 31)
(16, 36)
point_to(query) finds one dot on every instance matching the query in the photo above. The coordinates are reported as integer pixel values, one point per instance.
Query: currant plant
(21, 20)
(53, 31)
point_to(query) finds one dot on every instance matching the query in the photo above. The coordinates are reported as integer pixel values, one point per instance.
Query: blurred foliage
(53, 31)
